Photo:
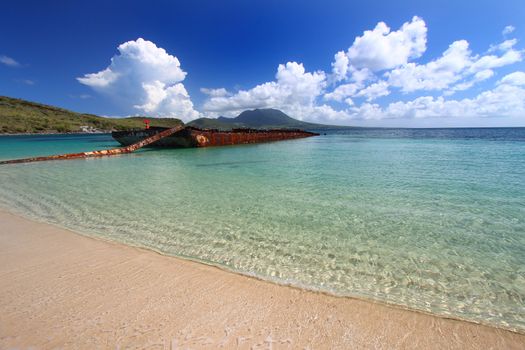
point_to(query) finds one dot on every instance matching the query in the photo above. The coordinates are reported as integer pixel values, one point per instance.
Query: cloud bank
(379, 76)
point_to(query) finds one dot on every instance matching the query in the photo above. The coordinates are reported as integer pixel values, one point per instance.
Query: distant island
(19, 116)
(267, 118)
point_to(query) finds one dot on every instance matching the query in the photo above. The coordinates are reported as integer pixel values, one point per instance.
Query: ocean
(427, 219)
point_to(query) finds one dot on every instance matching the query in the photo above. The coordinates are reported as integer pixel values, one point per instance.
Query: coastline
(62, 289)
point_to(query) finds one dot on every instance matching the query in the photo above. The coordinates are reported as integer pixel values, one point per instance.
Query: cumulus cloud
(8, 61)
(382, 48)
(293, 89)
(147, 78)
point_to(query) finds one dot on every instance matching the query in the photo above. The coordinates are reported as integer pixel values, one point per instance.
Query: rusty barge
(195, 137)
(176, 137)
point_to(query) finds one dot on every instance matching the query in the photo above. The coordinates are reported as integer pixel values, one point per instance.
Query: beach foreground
(61, 289)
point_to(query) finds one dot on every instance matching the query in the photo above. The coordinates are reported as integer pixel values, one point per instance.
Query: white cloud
(345, 92)
(503, 101)
(146, 77)
(456, 65)
(381, 48)
(374, 91)
(434, 75)
(483, 75)
(360, 76)
(516, 79)
(101, 79)
(8, 61)
(493, 61)
(504, 46)
(349, 101)
(478, 77)
(508, 29)
(294, 91)
(342, 92)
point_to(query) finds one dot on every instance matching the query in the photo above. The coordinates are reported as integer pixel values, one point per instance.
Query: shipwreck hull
(194, 137)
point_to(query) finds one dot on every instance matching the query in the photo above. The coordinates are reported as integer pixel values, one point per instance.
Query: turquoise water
(432, 220)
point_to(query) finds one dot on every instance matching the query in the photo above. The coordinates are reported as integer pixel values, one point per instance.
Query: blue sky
(381, 63)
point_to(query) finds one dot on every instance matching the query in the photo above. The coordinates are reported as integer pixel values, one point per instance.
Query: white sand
(61, 289)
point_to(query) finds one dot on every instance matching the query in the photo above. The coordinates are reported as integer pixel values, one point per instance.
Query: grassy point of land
(20, 116)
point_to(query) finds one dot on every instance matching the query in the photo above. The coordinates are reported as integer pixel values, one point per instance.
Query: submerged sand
(62, 290)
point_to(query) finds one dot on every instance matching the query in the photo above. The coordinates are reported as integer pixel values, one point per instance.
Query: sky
(365, 63)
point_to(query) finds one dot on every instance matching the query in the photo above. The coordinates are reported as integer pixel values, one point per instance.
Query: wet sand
(60, 289)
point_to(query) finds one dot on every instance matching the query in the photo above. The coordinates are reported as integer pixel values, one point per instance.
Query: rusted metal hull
(179, 136)
(194, 137)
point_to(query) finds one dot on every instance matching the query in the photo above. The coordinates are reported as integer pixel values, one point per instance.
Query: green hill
(20, 116)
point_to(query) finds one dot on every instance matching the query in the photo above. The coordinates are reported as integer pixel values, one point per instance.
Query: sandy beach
(63, 290)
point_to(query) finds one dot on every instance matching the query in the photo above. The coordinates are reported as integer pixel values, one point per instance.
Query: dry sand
(62, 290)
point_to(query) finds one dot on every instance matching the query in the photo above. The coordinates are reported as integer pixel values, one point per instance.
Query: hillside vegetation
(20, 116)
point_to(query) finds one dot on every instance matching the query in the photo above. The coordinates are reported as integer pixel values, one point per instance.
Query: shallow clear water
(428, 219)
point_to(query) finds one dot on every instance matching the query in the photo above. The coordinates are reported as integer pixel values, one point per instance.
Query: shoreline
(297, 286)
(52, 252)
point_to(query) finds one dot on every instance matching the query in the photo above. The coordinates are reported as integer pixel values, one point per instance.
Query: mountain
(259, 119)
(21, 116)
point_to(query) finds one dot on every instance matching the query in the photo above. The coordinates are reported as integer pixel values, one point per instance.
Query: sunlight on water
(432, 220)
